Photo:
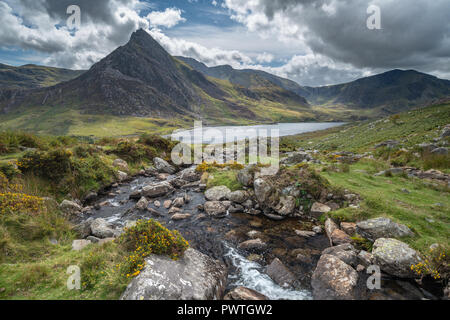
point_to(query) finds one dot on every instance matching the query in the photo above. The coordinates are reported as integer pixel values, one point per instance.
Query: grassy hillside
(33, 76)
(423, 205)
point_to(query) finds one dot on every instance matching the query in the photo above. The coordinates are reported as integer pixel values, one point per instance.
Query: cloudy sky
(314, 42)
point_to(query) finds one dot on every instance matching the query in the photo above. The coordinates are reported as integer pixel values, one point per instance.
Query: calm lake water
(236, 133)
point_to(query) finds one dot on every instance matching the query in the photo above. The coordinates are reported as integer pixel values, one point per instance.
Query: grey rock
(163, 166)
(333, 279)
(100, 228)
(286, 206)
(218, 193)
(395, 257)
(142, 204)
(318, 209)
(281, 275)
(238, 196)
(157, 190)
(215, 209)
(194, 276)
(382, 228)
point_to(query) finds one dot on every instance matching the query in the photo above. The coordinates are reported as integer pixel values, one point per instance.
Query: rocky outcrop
(395, 257)
(193, 277)
(374, 229)
(243, 293)
(163, 166)
(333, 279)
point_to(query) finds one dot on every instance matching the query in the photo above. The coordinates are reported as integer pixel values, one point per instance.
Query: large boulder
(238, 196)
(286, 206)
(280, 274)
(215, 208)
(100, 228)
(263, 190)
(163, 166)
(70, 208)
(243, 293)
(374, 229)
(218, 193)
(395, 257)
(333, 279)
(157, 190)
(193, 277)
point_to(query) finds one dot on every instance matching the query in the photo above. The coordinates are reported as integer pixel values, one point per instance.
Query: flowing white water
(250, 274)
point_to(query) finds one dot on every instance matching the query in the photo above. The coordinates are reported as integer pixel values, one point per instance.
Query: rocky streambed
(240, 248)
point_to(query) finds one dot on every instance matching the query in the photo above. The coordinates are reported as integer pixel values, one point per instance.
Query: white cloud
(168, 18)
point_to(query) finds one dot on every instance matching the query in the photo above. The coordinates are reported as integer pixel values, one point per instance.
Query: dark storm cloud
(414, 33)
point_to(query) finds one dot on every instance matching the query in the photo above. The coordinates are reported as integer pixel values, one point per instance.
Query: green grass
(383, 196)
(224, 178)
(411, 128)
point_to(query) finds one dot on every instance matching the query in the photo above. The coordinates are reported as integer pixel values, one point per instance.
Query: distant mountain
(248, 78)
(33, 76)
(142, 79)
(392, 91)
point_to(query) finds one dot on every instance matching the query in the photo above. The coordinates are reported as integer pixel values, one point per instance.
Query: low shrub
(19, 202)
(145, 238)
(9, 169)
(134, 152)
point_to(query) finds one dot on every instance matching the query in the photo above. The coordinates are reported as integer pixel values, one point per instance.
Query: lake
(236, 133)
